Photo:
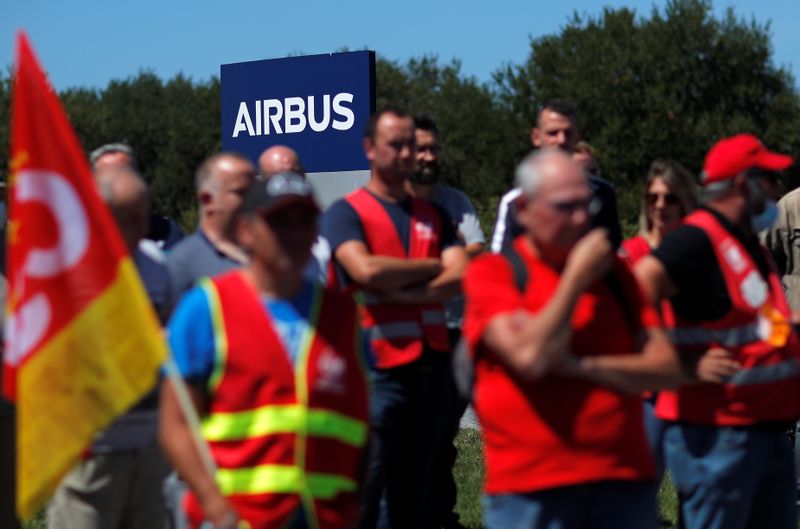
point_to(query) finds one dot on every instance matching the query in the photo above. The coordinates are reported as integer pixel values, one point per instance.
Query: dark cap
(734, 155)
(278, 191)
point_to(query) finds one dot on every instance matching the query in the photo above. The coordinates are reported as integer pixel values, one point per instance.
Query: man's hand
(590, 259)
(220, 513)
(717, 365)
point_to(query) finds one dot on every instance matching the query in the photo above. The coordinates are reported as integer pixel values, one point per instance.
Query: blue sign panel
(318, 105)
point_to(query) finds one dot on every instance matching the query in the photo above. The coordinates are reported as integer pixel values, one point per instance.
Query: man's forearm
(657, 367)
(534, 345)
(180, 447)
(440, 288)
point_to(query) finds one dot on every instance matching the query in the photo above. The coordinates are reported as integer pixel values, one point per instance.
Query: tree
(478, 151)
(665, 86)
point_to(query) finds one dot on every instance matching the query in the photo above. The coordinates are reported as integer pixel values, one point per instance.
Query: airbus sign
(316, 104)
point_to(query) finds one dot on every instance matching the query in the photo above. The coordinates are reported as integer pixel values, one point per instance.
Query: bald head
(554, 205)
(547, 168)
(279, 159)
(125, 193)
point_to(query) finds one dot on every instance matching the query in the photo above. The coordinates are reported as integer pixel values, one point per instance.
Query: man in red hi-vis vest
(402, 256)
(725, 444)
(274, 364)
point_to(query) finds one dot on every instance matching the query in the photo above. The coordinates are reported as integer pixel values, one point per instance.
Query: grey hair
(716, 190)
(528, 175)
(107, 178)
(110, 148)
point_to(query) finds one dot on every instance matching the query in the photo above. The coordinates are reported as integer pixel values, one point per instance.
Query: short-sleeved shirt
(191, 331)
(194, 258)
(341, 224)
(691, 263)
(468, 228)
(461, 212)
(559, 431)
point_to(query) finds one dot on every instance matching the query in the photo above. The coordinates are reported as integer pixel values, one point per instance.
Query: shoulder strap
(521, 276)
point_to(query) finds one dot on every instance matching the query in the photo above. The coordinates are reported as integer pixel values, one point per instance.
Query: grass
(37, 523)
(469, 473)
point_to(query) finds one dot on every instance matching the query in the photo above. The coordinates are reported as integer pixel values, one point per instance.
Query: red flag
(81, 341)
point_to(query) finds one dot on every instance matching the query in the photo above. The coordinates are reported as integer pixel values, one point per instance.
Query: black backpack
(463, 364)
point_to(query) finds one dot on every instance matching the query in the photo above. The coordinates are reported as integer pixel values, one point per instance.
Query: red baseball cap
(731, 156)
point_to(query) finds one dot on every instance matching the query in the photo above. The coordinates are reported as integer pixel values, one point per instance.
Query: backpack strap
(521, 276)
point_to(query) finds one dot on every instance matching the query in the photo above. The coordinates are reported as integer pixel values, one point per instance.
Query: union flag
(82, 343)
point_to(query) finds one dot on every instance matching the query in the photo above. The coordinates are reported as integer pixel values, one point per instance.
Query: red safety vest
(285, 436)
(397, 332)
(757, 330)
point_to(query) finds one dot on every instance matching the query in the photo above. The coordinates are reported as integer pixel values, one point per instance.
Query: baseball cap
(278, 191)
(731, 156)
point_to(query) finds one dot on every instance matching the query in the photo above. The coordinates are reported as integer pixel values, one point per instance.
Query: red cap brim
(773, 161)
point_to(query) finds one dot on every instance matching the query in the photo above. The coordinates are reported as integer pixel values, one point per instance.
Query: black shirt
(692, 265)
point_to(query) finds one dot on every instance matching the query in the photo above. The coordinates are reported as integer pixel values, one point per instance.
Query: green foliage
(667, 86)
(664, 85)
(477, 153)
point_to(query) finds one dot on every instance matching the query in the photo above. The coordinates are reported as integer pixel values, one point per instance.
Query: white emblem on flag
(28, 324)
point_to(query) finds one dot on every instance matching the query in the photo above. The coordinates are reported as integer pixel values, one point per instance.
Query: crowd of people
(317, 348)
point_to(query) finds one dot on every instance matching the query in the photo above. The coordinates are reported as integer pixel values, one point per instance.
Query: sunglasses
(670, 199)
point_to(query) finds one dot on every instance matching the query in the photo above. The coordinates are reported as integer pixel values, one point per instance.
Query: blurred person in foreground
(273, 364)
(564, 343)
(726, 443)
(119, 482)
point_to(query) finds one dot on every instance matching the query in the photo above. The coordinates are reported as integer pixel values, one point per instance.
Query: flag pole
(189, 413)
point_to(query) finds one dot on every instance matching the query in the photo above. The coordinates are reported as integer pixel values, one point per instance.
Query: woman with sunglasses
(670, 193)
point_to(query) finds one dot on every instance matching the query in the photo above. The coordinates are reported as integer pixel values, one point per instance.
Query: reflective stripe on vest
(730, 337)
(391, 331)
(287, 418)
(220, 336)
(433, 317)
(764, 374)
(281, 479)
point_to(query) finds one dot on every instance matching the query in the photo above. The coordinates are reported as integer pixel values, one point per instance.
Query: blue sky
(88, 43)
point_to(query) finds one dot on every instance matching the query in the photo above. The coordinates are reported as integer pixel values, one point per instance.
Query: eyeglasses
(670, 199)
(568, 207)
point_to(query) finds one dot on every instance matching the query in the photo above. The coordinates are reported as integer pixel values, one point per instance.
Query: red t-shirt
(635, 248)
(560, 431)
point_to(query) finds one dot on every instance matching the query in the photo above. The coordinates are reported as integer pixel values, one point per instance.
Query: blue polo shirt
(191, 332)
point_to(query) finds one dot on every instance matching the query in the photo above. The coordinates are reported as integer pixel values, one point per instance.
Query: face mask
(766, 218)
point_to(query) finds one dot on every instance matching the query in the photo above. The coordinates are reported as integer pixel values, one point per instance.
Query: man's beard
(426, 175)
